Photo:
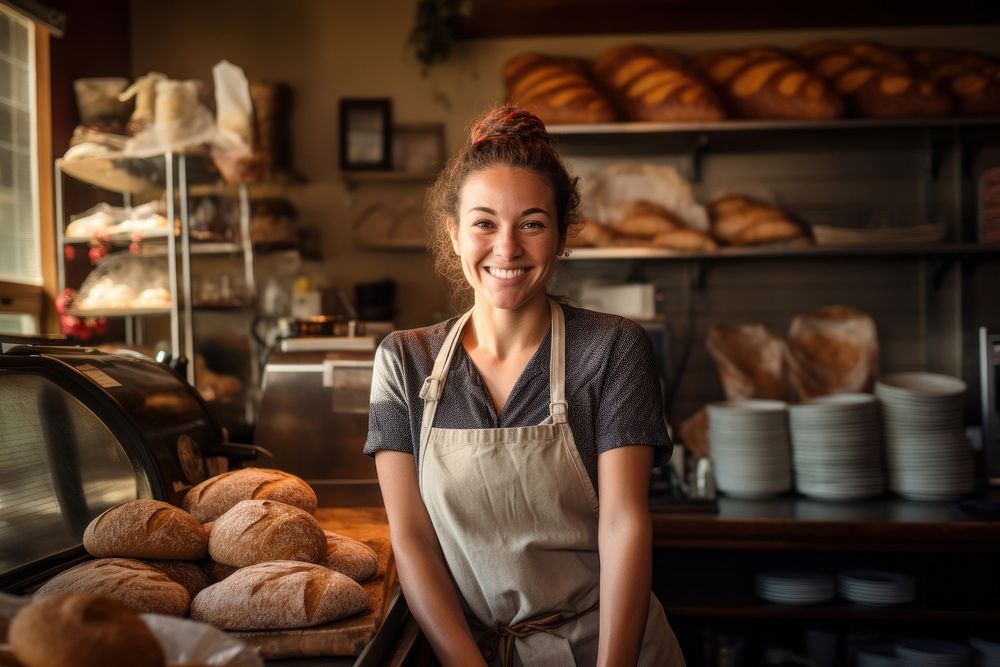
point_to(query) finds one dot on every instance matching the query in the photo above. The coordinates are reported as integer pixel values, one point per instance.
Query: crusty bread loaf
(877, 81)
(83, 630)
(254, 531)
(133, 583)
(743, 221)
(590, 234)
(217, 571)
(187, 574)
(832, 349)
(654, 84)
(279, 595)
(972, 78)
(7, 657)
(556, 89)
(644, 220)
(751, 361)
(213, 497)
(146, 528)
(766, 83)
(350, 557)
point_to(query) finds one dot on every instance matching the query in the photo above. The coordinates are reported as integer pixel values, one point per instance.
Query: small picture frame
(365, 134)
(418, 148)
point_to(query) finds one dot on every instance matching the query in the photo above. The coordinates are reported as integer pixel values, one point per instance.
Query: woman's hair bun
(509, 123)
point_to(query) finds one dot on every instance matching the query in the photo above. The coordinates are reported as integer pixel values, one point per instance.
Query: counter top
(796, 522)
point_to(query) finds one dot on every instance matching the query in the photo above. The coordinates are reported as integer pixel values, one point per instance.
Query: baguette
(254, 531)
(146, 529)
(350, 557)
(135, 584)
(213, 497)
(83, 630)
(279, 595)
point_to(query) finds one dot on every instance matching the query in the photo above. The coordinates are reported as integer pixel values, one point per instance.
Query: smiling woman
(514, 443)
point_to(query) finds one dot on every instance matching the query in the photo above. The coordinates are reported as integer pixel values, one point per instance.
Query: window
(20, 253)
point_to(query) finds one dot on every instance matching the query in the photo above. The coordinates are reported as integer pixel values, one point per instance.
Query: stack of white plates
(877, 655)
(749, 443)
(929, 457)
(987, 653)
(915, 652)
(794, 587)
(876, 587)
(837, 447)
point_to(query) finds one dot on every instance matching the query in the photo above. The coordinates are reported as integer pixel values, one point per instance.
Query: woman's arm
(420, 564)
(625, 541)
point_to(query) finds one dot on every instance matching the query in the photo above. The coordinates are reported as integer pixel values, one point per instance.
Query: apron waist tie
(499, 639)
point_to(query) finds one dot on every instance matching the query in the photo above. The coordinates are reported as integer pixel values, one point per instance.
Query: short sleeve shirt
(612, 389)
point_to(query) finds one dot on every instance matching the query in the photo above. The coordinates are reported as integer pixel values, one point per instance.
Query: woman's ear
(453, 233)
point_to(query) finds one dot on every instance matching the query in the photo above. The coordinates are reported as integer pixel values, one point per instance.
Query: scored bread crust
(213, 497)
(350, 557)
(556, 89)
(254, 531)
(133, 583)
(84, 630)
(146, 528)
(189, 575)
(279, 595)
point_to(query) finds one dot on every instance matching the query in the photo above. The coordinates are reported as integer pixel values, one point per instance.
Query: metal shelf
(120, 312)
(723, 254)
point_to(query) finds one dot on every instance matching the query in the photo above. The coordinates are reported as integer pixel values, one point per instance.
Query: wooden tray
(347, 636)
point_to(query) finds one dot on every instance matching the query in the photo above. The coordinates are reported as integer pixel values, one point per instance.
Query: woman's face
(507, 236)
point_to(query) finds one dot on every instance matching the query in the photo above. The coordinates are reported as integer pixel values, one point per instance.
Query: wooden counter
(349, 636)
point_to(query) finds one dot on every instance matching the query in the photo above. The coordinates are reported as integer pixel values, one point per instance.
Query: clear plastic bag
(751, 361)
(831, 350)
(124, 282)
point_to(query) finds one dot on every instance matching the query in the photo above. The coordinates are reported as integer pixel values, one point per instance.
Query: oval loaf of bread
(189, 575)
(135, 584)
(279, 595)
(213, 497)
(146, 528)
(351, 557)
(84, 630)
(556, 89)
(254, 531)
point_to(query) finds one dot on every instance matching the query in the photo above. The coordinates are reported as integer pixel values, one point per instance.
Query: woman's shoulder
(422, 342)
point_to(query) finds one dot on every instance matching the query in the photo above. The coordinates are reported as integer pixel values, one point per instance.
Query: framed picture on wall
(365, 133)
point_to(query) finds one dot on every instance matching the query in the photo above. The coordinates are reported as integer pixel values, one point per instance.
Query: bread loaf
(654, 84)
(350, 557)
(146, 529)
(971, 78)
(590, 234)
(831, 350)
(279, 595)
(213, 497)
(743, 221)
(83, 630)
(135, 584)
(217, 571)
(644, 220)
(254, 531)
(556, 89)
(766, 83)
(187, 574)
(877, 81)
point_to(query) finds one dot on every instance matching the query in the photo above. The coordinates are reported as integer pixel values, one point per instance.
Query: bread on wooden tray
(253, 531)
(279, 595)
(135, 584)
(556, 89)
(83, 630)
(146, 528)
(767, 83)
(213, 497)
(350, 557)
(655, 84)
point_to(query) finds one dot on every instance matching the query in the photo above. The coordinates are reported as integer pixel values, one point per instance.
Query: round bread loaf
(135, 584)
(187, 574)
(254, 531)
(146, 528)
(351, 557)
(83, 630)
(279, 595)
(213, 497)
(217, 571)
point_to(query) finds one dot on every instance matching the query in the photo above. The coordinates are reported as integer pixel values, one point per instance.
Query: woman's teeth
(504, 274)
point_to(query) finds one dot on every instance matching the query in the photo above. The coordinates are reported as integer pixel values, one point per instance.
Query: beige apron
(516, 515)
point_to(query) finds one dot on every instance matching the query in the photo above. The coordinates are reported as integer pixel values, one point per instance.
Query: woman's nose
(507, 245)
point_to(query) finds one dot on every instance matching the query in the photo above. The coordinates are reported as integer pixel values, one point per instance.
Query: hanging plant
(433, 33)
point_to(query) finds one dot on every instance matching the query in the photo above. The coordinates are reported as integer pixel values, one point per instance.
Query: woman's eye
(484, 224)
(533, 224)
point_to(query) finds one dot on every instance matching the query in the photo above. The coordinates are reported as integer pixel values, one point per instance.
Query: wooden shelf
(723, 254)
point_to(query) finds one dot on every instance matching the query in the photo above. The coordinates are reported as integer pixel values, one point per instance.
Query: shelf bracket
(697, 155)
(700, 279)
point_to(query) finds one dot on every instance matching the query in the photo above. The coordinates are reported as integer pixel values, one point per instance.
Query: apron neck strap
(557, 365)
